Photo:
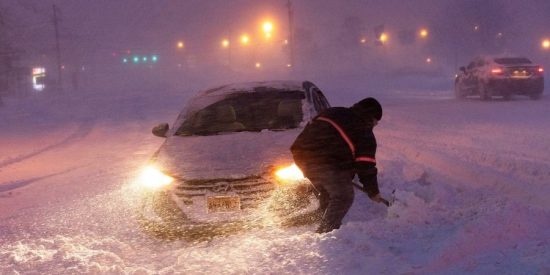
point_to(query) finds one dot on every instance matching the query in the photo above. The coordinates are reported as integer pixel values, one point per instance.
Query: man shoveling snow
(334, 147)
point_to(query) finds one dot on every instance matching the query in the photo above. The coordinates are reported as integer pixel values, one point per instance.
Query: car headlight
(289, 174)
(152, 178)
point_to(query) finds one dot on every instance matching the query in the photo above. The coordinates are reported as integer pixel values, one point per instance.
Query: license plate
(217, 204)
(518, 74)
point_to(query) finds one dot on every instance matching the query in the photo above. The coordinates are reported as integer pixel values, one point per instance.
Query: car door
(479, 72)
(470, 75)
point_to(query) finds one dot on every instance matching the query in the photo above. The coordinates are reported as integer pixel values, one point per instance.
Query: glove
(378, 198)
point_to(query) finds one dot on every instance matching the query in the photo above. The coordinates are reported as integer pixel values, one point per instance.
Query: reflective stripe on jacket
(347, 140)
(339, 139)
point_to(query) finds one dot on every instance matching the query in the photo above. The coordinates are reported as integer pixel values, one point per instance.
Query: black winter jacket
(322, 145)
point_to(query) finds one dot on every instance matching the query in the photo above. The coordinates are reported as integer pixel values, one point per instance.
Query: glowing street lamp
(180, 45)
(225, 43)
(423, 33)
(383, 37)
(429, 60)
(258, 65)
(245, 39)
(545, 44)
(267, 28)
(363, 40)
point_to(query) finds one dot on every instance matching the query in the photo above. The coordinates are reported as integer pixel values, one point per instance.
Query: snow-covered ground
(471, 181)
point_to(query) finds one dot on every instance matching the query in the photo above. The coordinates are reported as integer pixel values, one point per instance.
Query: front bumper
(183, 208)
(192, 196)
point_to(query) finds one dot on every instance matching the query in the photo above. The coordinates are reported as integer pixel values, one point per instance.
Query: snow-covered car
(226, 159)
(500, 76)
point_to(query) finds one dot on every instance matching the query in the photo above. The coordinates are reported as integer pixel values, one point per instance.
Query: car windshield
(512, 60)
(246, 111)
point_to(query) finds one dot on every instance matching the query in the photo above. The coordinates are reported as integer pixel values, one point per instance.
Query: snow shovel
(360, 187)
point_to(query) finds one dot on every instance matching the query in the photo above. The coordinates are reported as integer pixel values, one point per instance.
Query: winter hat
(368, 107)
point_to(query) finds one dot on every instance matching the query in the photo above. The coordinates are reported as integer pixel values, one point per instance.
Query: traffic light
(137, 59)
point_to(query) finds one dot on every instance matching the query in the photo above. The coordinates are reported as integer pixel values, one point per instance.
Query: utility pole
(290, 33)
(58, 50)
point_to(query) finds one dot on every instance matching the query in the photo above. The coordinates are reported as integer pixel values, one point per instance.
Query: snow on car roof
(506, 58)
(213, 95)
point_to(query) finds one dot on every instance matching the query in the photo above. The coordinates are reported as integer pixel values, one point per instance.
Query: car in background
(500, 76)
(226, 162)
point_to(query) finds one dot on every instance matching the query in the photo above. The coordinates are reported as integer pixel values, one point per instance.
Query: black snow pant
(335, 192)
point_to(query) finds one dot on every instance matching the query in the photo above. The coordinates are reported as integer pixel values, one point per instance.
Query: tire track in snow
(82, 131)
(10, 186)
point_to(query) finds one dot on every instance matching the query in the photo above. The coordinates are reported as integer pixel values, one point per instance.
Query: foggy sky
(103, 25)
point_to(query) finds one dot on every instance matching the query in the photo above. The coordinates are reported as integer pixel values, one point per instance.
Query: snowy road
(471, 179)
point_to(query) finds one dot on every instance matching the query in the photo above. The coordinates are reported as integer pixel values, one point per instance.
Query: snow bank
(470, 180)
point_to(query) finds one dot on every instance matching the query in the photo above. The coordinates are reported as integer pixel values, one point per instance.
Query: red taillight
(496, 71)
(540, 70)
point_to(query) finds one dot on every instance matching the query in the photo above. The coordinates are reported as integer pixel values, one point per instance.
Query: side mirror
(160, 130)
(462, 69)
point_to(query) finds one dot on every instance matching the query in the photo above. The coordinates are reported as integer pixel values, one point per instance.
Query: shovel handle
(382, 200)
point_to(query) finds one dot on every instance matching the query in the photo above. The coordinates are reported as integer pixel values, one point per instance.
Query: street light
(180, 45)
(545, 44)
(245, 39)
(423, 33)
(383, 37)
(267, 28)
(225, 43)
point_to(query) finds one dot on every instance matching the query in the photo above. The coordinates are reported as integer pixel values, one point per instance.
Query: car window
(512, 60)
(248, 111)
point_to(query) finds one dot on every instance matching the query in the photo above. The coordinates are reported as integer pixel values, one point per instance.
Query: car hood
(231, 155)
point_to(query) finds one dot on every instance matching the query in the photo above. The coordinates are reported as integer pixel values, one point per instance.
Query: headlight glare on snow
(152, 178)
(289, 174)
